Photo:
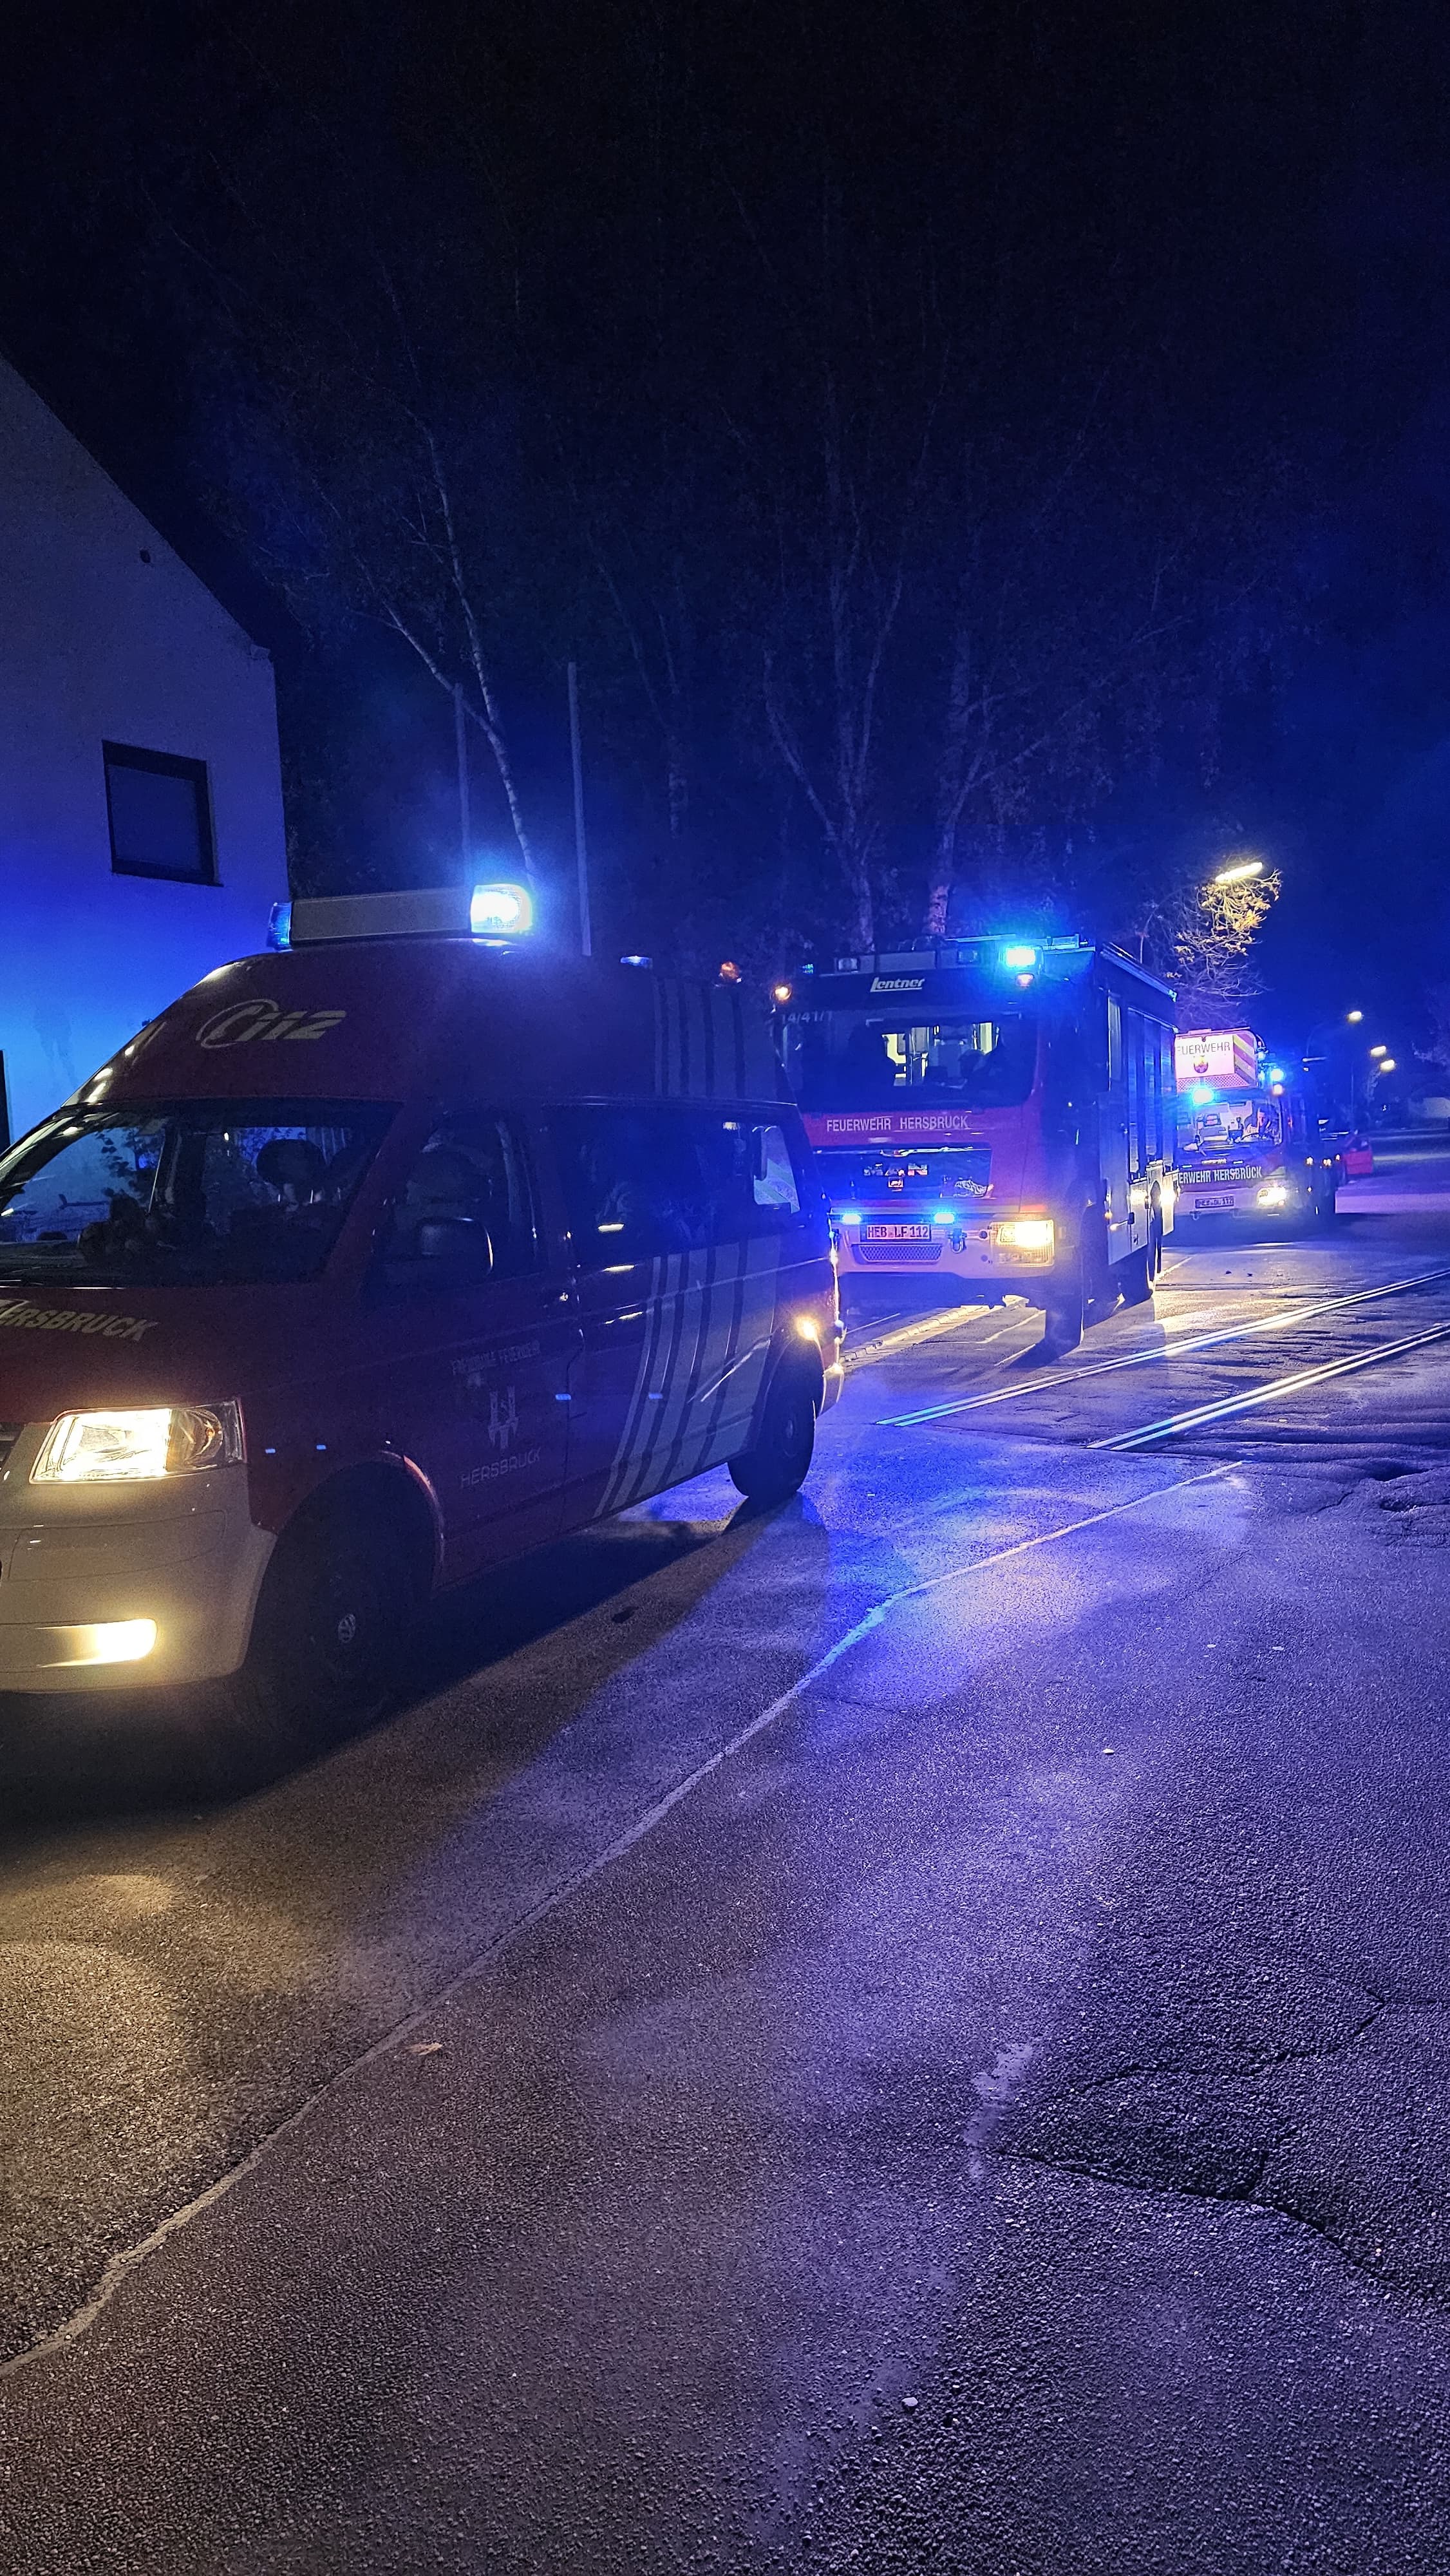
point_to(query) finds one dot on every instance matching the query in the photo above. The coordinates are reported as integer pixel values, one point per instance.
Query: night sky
(1178, 275)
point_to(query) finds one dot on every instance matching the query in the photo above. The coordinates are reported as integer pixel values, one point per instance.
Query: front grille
(898, 1251)
(9, 1434)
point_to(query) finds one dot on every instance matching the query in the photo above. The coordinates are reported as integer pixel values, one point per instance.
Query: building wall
(106, 636)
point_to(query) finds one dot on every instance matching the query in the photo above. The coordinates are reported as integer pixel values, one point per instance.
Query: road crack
(1246, 2197)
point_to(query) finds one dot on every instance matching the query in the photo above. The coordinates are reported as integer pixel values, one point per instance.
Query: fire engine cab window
(190, 1193)
(465, 1204)
(1229, 1126)
(869, 1060)
(642, 1183)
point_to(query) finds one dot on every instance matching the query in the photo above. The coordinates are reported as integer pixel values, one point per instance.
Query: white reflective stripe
(625, 1446)
(679, 1359)
(742, 1326)
(710, 1370)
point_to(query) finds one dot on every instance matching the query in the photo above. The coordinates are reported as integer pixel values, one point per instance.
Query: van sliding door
(679, 1216)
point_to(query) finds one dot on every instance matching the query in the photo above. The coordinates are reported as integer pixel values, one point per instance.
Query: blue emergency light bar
(501, 910)
(1010, 956)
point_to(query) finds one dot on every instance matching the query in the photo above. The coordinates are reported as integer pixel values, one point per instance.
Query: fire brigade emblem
(503, 1418)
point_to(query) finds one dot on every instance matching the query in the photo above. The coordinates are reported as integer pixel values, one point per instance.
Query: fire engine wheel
(1080, 1289)
(1135, 1276)
(336, 1602)
(1064, 1308)
(776, 1464)
(1323, 1211)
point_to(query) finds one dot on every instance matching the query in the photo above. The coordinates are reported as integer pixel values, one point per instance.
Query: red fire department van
(370, 1264)
(994, 1118)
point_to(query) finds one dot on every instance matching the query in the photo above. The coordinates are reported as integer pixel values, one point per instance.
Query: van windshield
(186, 1192)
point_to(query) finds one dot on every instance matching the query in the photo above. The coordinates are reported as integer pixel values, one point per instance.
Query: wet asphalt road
(911, 2032)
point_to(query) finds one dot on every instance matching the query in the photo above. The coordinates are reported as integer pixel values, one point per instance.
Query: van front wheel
(337, 1599)
(775, 1465)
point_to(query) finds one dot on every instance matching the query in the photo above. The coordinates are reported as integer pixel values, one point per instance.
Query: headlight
(1026, 1234)
(1274, 1194)
(132, 1448)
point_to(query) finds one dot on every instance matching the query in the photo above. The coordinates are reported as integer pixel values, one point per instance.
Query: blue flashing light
(848, 1216)
(279, 927)
(501, 911)
(1019, 954)
(635, 961)
(1202, 1094)
(943, 1216)
(1277, 1073)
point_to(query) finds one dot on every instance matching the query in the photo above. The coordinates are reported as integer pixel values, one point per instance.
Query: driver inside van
(443, 1188)
(462, 1178)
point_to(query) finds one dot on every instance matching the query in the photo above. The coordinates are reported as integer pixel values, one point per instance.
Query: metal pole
(460, 737)
(581, 847)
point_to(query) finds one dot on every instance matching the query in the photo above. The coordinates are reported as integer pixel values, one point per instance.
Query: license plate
(896, 1234)
(1202, 1207)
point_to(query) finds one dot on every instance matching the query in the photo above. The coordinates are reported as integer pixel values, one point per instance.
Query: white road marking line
(1199, 1415)
(1163, 1351)
(121, 2266)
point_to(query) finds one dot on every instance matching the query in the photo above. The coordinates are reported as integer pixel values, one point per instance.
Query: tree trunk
(863, 901)
(938, 899)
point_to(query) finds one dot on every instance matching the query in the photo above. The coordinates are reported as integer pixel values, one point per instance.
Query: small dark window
(160, 815)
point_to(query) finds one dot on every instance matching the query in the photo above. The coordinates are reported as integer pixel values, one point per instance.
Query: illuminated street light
(1240, 872)
(1354, 1018)
(1388, 1065)
(1379, 1050)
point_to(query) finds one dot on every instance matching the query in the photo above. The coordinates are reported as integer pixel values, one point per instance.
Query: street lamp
(1239, 872)
(1388, 1064)
(1379, 1050)
(1354, 1018)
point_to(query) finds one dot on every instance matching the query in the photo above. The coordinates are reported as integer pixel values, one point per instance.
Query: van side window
(777, 1195)
(470, 1179)
(641, 1183)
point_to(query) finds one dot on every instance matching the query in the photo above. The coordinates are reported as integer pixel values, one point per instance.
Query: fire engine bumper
(979, 1262)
